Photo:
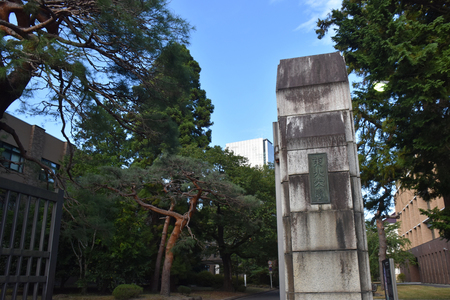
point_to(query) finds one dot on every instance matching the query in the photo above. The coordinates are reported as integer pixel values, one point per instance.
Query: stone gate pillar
(324, 245)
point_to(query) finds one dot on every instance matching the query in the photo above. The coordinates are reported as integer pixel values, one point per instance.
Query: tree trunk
(168, 261)
(83, 276)
(446, 201)
(227, 272)
(383, 247)
(181, 221)
(155, 281)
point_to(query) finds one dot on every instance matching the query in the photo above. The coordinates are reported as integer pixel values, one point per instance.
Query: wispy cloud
(316, 9)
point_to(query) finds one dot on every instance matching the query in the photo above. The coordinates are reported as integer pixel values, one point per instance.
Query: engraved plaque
(318, 178)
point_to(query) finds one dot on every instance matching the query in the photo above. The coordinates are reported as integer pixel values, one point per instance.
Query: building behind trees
(38, 144)
(258, 151)
(431, 252)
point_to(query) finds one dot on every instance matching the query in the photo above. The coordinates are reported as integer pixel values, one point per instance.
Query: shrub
(401, 277)
(218, 281)
(241, 289)
(184, 290)
(127, 291)
(205, 278)
(240, 280)
(238, 284)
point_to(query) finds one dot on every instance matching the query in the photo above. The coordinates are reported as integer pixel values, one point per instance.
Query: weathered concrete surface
(322, 230)
(324, 248)
(321, 69)
(319, 266)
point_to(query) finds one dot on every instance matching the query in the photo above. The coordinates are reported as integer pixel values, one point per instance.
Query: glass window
(43, 175)
(11, 157)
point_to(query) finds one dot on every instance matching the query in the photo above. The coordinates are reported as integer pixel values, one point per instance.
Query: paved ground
(271, 295)
(275, 295)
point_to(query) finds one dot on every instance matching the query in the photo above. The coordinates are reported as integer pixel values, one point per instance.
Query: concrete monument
(322, 238)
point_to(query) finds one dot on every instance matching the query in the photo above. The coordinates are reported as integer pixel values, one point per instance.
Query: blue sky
(238, 44)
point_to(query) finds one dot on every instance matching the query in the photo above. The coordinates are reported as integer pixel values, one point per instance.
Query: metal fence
(29, 235)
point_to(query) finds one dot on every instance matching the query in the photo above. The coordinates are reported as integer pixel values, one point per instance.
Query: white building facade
(259, 151)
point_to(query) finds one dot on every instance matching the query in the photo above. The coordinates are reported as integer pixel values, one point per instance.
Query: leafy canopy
(400, 52)
(100, 55)
(397, 247)
(405, 45)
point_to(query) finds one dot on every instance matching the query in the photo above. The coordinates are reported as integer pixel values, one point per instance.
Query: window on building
(11, 157)
(43, 175)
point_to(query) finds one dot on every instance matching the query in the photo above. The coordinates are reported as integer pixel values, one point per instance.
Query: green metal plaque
(318, 178)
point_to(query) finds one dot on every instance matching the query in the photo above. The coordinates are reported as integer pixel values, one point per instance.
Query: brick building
(38, 144)
(432, 254)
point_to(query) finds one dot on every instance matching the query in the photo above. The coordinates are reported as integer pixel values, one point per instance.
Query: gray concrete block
(353, 159)
(282, 138)
(284, 170)
(324, 244)
(315, 131)
(297, 161)
(360, 226)
(325, 230)
(290, 296)
(326, 272)
(364, 271)
(356, 194)
(367, 296)
(285, 199)
(340, 190)
(311, 70)
(313, 99)
(340, 193)
(289, 279)
(287, 225)
(349, 126)
(317, 142)
(299, 193)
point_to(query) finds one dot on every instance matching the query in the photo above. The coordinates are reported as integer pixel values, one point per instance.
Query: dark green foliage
(187, 256)
(184, 290)
(238, 281)
(193, 113)
(397, 247)
(405, 46)
(205, 278)
(440, 220)
(260, 275)
(252, 232)
(119, 65)
(87, 224)
(240, 289)
(127, 291)
(184, 108)
(106, 238)
(218, 281)
(130, 253)
(182, 179)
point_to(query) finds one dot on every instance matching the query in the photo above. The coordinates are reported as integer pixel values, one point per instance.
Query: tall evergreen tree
(188, 118)
(400, 51)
